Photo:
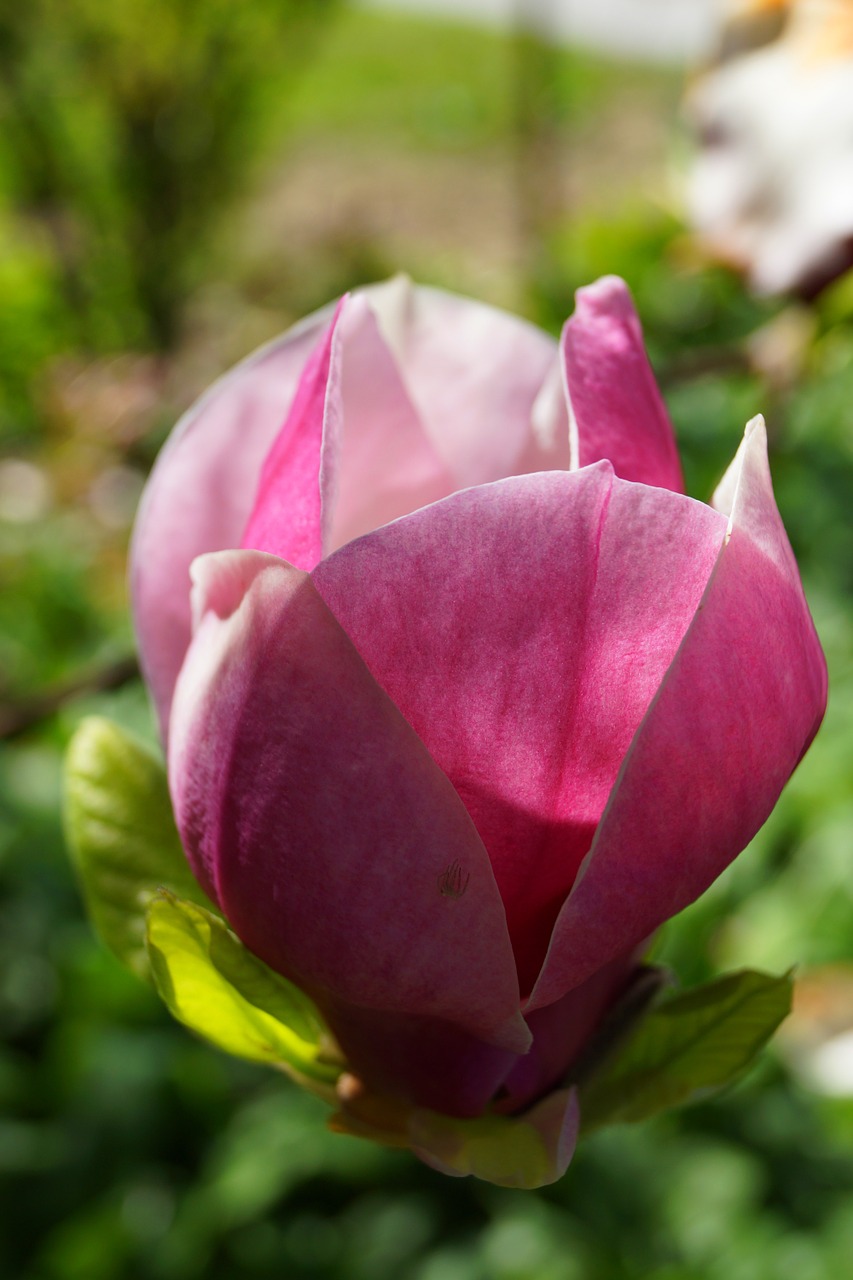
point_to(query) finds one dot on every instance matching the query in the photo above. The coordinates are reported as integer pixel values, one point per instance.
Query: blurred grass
(126, 1148)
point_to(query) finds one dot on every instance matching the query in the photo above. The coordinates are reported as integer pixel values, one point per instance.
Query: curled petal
(315, 816)
(739, 705)
(615, 408)
(528, 667)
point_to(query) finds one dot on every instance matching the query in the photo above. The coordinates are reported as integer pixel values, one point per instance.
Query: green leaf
(690, 1045)
(219, 989)
(524, 1152)
(122, 835)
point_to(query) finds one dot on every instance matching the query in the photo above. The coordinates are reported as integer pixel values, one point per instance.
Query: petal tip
(755, 425)
(220, 580)
(607, 296)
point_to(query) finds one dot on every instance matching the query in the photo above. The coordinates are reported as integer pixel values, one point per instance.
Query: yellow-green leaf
(122, 835)
(219, 989)
(691, 1045)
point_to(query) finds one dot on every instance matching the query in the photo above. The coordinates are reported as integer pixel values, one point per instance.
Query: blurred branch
(17, 718)
(720, 360)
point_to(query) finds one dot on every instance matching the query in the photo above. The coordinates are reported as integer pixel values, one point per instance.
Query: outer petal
(313, 813)
(201, 492)
(474, 372)
(615, 408)
(523, 628)
(739, 706)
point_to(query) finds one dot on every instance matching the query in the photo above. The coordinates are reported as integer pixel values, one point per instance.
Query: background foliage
(178, 181)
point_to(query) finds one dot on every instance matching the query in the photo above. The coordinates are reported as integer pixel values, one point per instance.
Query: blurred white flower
(25, 491)
(771, 187)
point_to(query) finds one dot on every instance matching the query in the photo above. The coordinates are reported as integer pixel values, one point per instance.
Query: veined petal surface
(523, 628)
(474, 373)
(336, 848)
(740, 704)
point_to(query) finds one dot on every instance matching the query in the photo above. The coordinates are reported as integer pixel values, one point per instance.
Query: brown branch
(17, 718)
(720, 360)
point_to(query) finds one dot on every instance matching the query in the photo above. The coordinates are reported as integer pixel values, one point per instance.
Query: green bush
(126, 130)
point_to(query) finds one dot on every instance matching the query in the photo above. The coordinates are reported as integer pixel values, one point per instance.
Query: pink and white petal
(738, 707)
(615, 408)
(315, 816)
(525, 1152)
(353, 453)
(388, 466)
(522, 628)
(201, 492)
(474, 373)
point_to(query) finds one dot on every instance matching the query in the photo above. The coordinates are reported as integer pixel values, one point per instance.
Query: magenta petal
(523, 628)
(425, 1061)
(352, 454)
(313, 813)
(291, 511)
(201, 492)
(561, 1031)
(737, 709)
(615, 406)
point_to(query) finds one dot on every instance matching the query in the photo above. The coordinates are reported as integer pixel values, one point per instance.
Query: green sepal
(524, 1152)
(690, 1045)
(521, 1151)
(122, 836)
(219, 989)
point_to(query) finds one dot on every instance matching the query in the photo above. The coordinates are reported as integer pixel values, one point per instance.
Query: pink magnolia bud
(467, 698)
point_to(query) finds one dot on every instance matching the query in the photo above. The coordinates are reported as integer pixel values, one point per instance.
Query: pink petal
(352, 454)
(474, 373)
(201, 492)
(426, 1061)
(336, 848)
(561, 1031)
(291, 510)
(388, 465)
(523, 628)
(737, 709)
(428, 391)
(615, 406)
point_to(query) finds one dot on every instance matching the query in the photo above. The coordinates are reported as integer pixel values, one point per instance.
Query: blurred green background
(178, 181)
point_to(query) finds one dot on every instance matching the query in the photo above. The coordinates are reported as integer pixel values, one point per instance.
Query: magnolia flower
(771, 188)
(467, 698)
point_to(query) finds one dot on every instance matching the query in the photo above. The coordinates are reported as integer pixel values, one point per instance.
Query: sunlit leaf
(692, 1044)
(219, 989)
(122, 835)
